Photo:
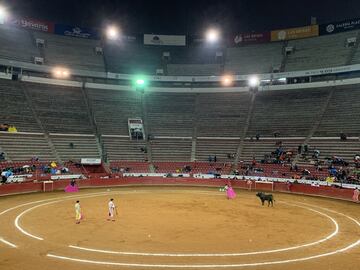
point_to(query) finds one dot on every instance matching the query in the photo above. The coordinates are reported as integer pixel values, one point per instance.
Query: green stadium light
(140, 82)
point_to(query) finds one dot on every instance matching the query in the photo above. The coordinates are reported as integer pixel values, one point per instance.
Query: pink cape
(71, 188)
(356, 195)
(230, 193)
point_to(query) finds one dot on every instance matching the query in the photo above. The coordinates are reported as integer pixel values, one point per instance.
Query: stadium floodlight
(139, 83)
(61, 73)
(254, 81)
(212, 35)
(3, 14)
(112, 32)
(227, 80)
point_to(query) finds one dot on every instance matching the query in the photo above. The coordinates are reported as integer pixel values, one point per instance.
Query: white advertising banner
(91, 161)
(164, 40)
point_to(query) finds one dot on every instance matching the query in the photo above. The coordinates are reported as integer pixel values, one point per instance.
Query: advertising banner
(90, 161)
(337, 27)
(32, 24)
(245, 38)
(295, 33)
(164, 40)
(76, 31)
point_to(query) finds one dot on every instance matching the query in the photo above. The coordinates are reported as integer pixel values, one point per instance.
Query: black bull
(266, 197)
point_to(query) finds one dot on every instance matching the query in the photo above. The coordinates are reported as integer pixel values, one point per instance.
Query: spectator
(253, 162)
(343, 136)
(4, 127)
(257, 136)
(2, 156)
(12, 129)
(53, 164)
(64, 170)
(316, 153)
(299, 149)
(5, 175)
(306, 148)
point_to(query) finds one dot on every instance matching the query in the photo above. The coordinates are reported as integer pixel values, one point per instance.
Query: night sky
(187, 17)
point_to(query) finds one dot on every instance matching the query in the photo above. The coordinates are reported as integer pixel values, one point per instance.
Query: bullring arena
(179, 227)
(182, 132)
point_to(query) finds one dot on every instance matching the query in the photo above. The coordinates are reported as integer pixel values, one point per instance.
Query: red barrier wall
(337, 193)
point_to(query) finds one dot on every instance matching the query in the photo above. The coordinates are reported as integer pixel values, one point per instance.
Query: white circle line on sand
(21, 205)
(206, 265)
(333, 211)
(22, 230)
(17, 219)
(335, 232)
(7, 243)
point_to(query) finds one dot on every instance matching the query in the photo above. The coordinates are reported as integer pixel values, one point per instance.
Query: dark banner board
(32, 24)
(76, 31)
(246, 38)
(337, 27)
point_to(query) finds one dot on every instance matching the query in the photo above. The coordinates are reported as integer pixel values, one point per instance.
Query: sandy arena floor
(180, 228)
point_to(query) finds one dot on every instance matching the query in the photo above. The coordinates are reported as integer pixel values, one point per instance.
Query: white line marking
(335, 232)
(7, 243)
(333, 211)
(205, 265)
(56, 200)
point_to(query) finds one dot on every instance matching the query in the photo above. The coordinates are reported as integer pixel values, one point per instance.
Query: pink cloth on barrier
(71, 188)
(356, 195)
(230, 193)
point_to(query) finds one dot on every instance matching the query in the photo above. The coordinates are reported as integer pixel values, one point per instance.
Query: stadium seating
(329, 147)
(319, 52)
(196, 167)
(258, 149)
(254, 59)
(60, 109)
(342, 113)
(291, 113)
(194, 69)
(122, 148)
(171, 149)
(73, 53)
(112, 109)
(17, 44)
(170, 114)
(14, 109)
(131, 166)
(219, 148)
(74, 147)
(221, 114)
(25, 146)
(132, 58)
(193, 55)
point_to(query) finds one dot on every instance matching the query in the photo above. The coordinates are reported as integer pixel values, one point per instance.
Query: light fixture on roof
(112, 32)
(212, 35)
(227, 80)
(140, 83)
(61, 73)
(254, 81)
(3, 14)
